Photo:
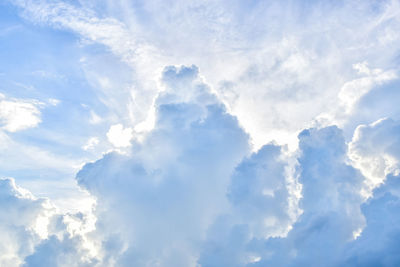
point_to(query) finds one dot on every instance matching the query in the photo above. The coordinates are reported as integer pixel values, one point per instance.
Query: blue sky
(199, 133)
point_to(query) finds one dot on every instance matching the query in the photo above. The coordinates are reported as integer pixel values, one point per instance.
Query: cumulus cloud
(260, 194)
(378, 244)
(55, 252)
(375, 150)
(181, 197)
(192, 193)
(193, 188)
(330, 208)
(67, 243)
(120, 136)
(331, 204)
(23, 222)
(34, 233)
(156, 195)
(19, 114)
(337, 227)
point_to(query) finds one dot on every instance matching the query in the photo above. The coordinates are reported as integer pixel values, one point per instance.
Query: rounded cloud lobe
(169, 189)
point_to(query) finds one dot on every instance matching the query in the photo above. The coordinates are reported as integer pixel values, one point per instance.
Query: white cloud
(91, 143)
(192, 193)
(353, 91)
(53, 101)
(155, 204)
(186, 169)
(68, 245)
(141, 56)
(261, 191)
(378, 243)
(375, 150)
(120, 136)
(19, 114)
(23, 222)
(179, 198)
(282, 75)
(330, 205)
(34, 235)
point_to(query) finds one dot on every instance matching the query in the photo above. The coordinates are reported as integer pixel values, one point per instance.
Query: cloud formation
(19, 114)
(375, 150)
(192, 192)
(182, 198)
(156, 194)
(283, 151)
(35, 234)
(262, 68)
(23, 222)
(257, 215)
(330, 207)
(119, 136)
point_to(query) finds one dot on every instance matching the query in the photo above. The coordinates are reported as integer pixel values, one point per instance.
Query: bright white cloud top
(199, 133)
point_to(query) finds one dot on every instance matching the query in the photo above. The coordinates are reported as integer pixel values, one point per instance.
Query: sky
(199, 133)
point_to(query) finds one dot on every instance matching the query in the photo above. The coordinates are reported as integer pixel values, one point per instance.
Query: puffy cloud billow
(192, 192)
(20, 215)
(157, 202)
(34, 233)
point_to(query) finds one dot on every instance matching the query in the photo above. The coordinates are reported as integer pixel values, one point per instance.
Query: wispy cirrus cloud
(288, 74)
